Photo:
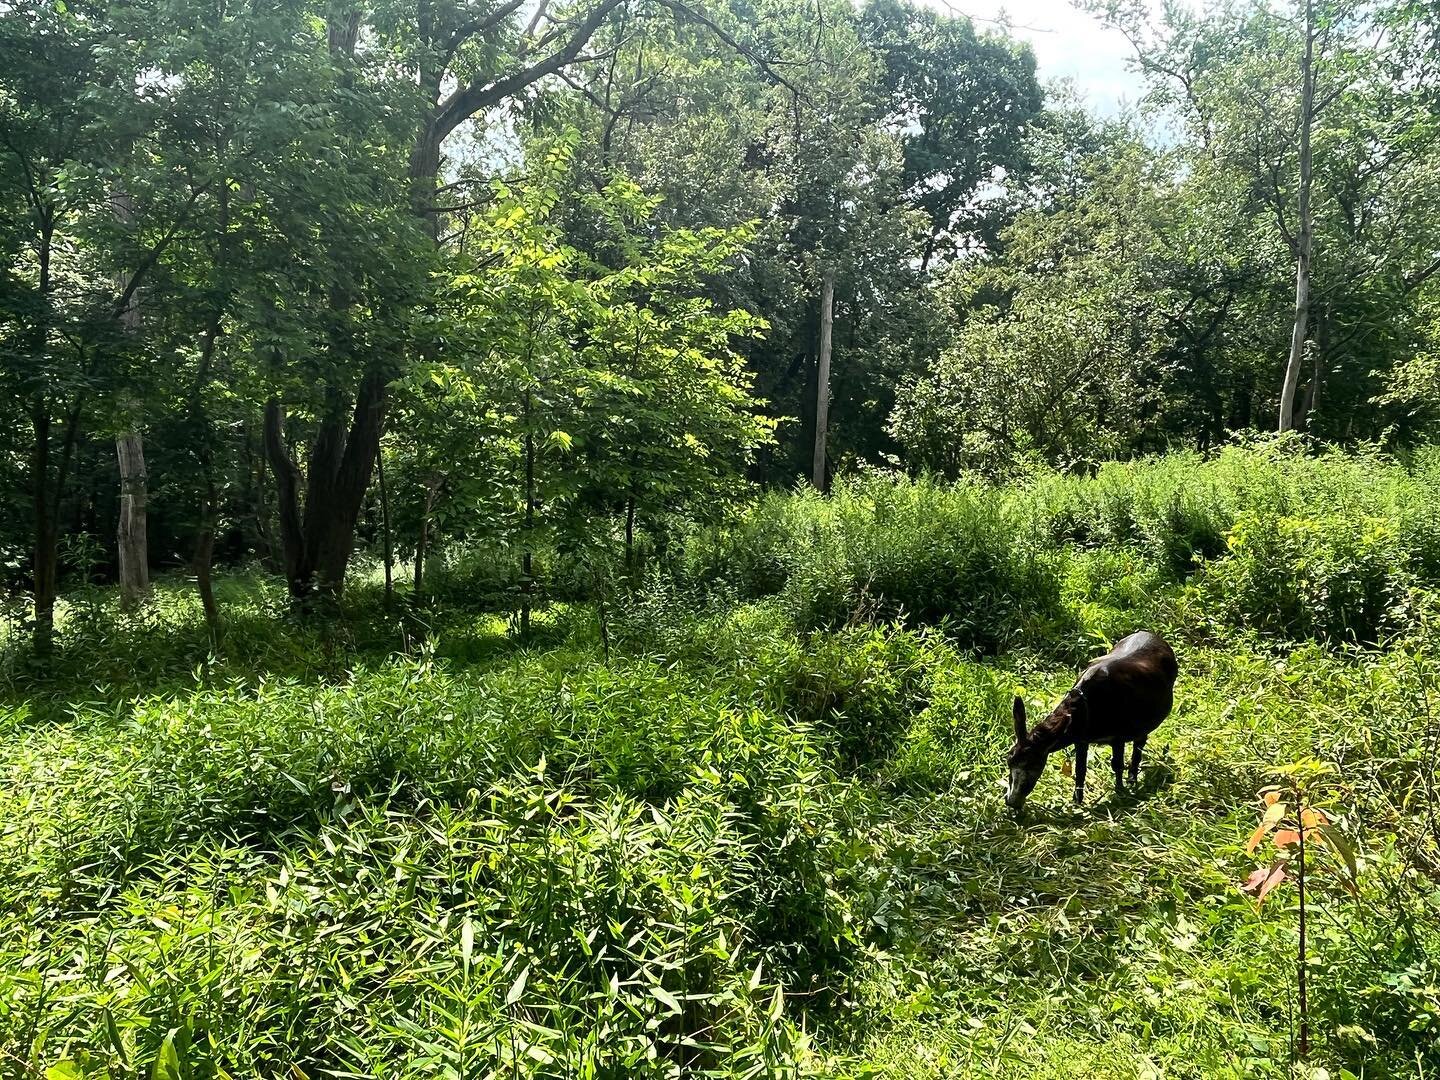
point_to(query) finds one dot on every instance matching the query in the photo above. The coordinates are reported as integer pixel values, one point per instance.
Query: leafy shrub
(965, 726)
(1332, 578)
(880, 549)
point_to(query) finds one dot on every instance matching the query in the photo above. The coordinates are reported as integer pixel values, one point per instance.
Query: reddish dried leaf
(1277, 875)
(1312, 817)
(1285, 837)
(1272, 817)
(1255, 880)
(1271, 798)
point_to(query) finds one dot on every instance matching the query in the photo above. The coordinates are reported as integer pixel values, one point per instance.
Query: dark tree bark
(318, 542)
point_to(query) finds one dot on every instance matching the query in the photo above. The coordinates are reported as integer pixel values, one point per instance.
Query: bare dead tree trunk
(130, 532)
(45, 572)
(1304, 238)
(822, 389)
(131, 544)
(630, 532)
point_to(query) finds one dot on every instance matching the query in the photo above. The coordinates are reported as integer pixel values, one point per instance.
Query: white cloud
(1068, 44)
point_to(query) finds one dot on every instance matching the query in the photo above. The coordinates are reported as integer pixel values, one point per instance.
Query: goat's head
(1026, 762)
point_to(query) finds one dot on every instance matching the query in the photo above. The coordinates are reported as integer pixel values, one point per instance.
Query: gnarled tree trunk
(318, 542)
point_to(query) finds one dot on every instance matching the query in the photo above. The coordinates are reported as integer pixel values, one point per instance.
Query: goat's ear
(1019, 718)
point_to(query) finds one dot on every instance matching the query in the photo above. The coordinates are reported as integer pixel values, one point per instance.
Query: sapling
(1293, 823)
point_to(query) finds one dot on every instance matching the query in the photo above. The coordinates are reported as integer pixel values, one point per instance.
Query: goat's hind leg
(1117, 762)
(1135, 762)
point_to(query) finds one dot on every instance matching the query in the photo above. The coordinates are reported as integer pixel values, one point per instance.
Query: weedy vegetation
(765, 836)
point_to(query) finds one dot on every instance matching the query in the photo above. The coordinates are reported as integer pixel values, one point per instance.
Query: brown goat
(1120, 698)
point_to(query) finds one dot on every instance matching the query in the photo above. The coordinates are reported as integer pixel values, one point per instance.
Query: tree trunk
(630, 532)
(332, 508)
(317, 544)
(47, 555)
(287, 499)
(46, 499)
(385, 528)
(432, 491)
(822, 388)
(1312, 390)
(203, 560)
(527, 567)
(130, 531)
(131, 543)
(1304, 239)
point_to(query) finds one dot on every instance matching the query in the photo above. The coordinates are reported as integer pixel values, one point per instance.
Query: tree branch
(153, 255)
(476, 97)
(484, 24)
(759, 61)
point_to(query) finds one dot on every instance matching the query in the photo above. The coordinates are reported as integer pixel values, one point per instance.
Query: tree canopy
(557, 267)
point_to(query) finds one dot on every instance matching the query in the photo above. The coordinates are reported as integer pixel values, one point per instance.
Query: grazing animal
(1120, 698)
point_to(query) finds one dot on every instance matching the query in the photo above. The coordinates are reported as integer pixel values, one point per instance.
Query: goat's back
(1129, 690)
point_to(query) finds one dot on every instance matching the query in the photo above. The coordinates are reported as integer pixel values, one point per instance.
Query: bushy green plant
(741, 842)
(880, 549)
(1334, 578)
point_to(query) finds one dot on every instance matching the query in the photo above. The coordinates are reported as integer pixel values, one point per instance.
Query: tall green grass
(1275, 540)
(761, 834)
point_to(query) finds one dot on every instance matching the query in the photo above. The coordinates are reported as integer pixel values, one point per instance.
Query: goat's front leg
(1082, 758)
(1135, 761)
(1117, 763)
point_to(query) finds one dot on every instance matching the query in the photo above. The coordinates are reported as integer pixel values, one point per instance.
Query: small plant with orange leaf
(1293, 823)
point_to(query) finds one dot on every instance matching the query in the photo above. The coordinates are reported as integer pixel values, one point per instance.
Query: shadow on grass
(103, 657)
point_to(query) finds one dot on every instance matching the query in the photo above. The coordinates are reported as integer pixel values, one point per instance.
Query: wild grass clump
(659, 856)
(1343, 578)
(880, 549)
(1179, 509)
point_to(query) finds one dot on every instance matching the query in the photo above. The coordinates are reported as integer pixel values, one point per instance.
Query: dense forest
(521, 523)
(558, 275)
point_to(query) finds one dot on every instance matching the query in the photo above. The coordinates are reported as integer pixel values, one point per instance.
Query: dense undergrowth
(764, 837)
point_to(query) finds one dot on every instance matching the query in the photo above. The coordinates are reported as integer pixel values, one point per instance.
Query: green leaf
(1341, 847)
(167, 1063)
(517, 987)
(667, 999)
(64, 1070)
